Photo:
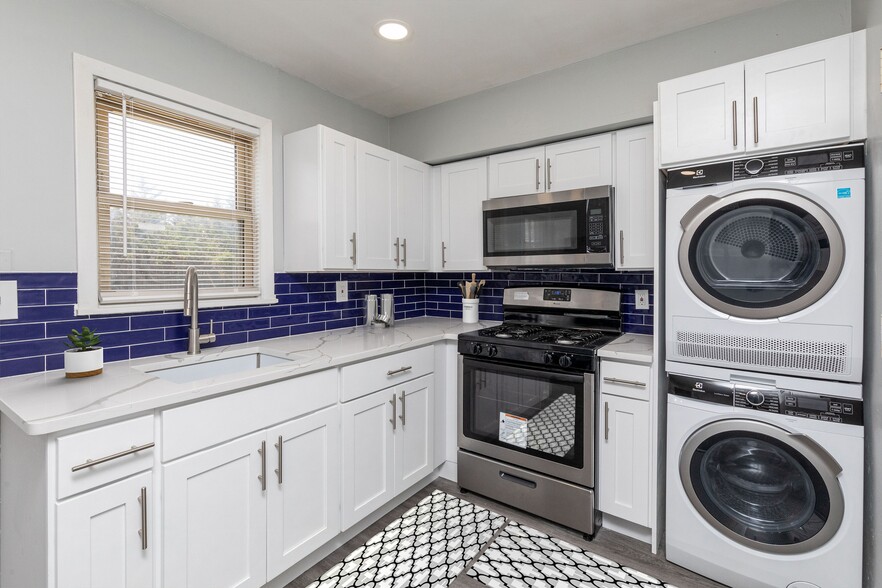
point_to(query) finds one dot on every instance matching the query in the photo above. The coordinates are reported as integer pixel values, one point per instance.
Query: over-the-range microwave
(571, 228)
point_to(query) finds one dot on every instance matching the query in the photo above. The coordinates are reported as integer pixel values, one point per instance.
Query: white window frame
(85, 70)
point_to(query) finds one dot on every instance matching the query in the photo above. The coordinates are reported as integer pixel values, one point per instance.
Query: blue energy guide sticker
(843, 192)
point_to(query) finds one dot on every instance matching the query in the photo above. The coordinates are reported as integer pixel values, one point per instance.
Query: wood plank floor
(609, 544)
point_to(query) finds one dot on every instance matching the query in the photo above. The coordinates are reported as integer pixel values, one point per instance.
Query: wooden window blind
(174, 189)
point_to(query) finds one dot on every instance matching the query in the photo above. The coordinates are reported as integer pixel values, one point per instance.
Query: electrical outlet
(5, 260)
(342, 291)
(641, 299)
(8, 300)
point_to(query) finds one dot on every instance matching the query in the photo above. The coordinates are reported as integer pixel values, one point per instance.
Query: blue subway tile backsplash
(307, 303)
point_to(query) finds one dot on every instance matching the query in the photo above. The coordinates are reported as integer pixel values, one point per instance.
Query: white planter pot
(81, 364)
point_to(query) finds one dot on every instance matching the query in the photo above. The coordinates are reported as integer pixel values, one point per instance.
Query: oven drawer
(630, 380)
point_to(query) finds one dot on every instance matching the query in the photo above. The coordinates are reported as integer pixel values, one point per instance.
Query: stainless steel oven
(572, 228)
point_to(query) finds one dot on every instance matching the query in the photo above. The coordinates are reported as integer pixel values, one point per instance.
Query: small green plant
(86, 340)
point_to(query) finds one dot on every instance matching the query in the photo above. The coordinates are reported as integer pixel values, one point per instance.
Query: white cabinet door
(99, 537)
(702, 115)
(463, 189)
(801, 96)
(581, 163)
(338, 194)
(377, 207)
(635, 192)
(214, 518)
(303, 490)
(623, 476)
(415, 433)
(516, 172)
(414, 204)
(368, 455)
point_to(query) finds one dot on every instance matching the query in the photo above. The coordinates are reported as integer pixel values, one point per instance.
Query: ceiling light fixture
(393, 30)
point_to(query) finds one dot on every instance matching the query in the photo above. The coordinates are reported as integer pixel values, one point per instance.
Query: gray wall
(37, 39)
(609, 91)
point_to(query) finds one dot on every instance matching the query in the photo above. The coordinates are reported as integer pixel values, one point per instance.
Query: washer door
(760, 253)
(762, 486)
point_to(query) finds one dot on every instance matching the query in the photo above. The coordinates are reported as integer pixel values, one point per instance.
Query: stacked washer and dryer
(764, 354)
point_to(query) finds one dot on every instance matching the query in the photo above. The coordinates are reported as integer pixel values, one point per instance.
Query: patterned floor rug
(427, 547)
(522, 557)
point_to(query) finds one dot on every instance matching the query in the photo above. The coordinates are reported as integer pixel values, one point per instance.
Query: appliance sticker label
(843, 192)
(513, 429)
(521, 295)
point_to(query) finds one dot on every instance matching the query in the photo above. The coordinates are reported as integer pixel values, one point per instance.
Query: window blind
(173, 190)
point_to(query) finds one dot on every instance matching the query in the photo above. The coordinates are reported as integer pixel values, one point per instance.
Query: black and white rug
(522, 557)
(427, 547)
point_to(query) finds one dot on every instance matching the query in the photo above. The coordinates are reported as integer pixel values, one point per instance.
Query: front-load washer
(765, 264)
(764, 478)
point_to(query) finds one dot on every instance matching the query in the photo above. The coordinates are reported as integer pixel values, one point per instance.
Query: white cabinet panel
(338, 191)
(623, 488)
(99, 537)
(377, 207)
(581, 163)
(516, 172)
(414, 436)
(414, 204)
(634, 199)
(463, 189)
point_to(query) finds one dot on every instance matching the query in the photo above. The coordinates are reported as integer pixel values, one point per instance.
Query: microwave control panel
(599, 225)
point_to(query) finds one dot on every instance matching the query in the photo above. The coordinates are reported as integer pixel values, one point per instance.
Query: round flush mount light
(393, 30)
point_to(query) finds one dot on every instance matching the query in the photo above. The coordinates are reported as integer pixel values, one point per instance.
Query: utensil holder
(470, 310)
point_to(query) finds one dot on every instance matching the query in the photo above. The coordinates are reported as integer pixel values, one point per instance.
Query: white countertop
(629, 347)
(47, 402)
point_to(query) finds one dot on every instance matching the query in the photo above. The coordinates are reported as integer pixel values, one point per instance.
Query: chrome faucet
(191, 309)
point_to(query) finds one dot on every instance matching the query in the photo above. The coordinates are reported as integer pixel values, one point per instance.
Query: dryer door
(762, 486)
(760, 253)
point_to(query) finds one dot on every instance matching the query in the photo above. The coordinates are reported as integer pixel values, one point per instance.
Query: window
(172, 183)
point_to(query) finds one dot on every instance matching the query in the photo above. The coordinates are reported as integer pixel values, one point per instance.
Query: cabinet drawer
(625, 379)
(375, 374)
(111, 441)
(203, 424)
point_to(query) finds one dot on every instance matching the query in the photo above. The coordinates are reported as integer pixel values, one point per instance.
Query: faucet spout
(191, 309)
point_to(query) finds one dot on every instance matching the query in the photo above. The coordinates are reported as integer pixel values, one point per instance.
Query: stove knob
(548, 358)
(476, 349)
(491, 350)
(755, 398)
(565, 361)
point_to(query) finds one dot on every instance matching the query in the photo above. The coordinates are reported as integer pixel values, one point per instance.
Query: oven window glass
(536, 230)
(760, 488)
(535, 412)
(759, 254)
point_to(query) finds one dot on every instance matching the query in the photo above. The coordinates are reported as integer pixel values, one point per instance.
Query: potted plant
(83, 358)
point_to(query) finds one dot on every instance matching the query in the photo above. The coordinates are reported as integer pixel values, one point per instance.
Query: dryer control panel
(767, 399)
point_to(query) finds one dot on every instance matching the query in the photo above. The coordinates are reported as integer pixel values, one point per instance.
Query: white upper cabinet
(580, 163)
(463, 189)
(377, 210)
(414, 206)
(516, 172)
(801, 97)
(635, 180)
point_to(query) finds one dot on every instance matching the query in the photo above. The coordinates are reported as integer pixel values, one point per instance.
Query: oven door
(539, 419)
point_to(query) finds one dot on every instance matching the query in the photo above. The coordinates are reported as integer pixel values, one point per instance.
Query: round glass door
(760, 253)
(758, 487)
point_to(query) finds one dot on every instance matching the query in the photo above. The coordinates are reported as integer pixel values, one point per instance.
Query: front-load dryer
(764, 478)
(765, 264)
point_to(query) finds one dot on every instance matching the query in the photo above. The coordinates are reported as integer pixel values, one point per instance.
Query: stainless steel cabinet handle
(537, 173)
(403, 400)
(734, 123)
(93, 462)
(397, 244)
(622, 247)
(399, 370)
(755, 121)
(262, 477)
(354, 254)
(279, 446)
(548, 173)
(606, 421)
(443, 254)
(404, 252)
(142, 532)
(394, 411)
(628, 382)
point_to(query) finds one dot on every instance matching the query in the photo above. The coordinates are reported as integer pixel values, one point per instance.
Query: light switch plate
(641, 299)
(342, 291)
(8, 300)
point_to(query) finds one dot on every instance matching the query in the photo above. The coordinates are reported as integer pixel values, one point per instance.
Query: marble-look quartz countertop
(629, 347)
(48, 402)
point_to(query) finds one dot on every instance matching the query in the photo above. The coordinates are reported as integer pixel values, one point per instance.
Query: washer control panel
(767, 399)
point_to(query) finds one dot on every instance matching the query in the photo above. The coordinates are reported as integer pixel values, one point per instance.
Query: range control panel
(765, 399)
(764, 166)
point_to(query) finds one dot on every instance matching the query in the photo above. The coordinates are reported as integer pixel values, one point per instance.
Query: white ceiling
(457, 47)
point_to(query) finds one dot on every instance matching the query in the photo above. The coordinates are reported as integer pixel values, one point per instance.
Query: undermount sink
(223, 366)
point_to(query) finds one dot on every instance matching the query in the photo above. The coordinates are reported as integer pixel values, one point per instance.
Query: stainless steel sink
(222, 366)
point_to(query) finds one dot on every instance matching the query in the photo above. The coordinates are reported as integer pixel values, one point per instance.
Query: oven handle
(518, 370)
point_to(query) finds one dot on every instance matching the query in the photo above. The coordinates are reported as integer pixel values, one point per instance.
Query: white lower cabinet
(388, 445)
(103, 538)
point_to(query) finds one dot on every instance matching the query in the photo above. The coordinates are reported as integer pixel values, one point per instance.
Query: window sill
(132, 308)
